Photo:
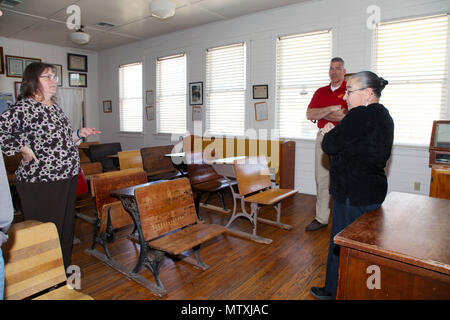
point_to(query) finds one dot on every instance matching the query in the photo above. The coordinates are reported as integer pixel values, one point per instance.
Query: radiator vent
(105, 24)
(10, 3)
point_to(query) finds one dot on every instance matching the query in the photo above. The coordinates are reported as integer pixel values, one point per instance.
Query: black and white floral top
(48, 132)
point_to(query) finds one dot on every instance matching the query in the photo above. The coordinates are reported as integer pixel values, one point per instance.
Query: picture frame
(6, 100)
(261, 111)
(17, 85)
(150, 112)
(59, 73)
(77, 79)
(2, 64)
(196, 113)
(16, 65)
(107, 106)
(77, 62)
(196, 93)
(261, 91)
(149, 97)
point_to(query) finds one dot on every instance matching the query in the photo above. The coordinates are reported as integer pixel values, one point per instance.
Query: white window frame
(137, 114)
(226, 96)
(294, 93)
(171, 101)
(417, 93)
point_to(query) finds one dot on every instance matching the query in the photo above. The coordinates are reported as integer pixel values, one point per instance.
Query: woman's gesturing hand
(87, 132)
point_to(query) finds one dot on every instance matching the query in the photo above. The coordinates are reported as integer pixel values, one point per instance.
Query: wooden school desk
(408, 239)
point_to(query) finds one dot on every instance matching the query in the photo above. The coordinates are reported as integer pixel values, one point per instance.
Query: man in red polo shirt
(326, 106)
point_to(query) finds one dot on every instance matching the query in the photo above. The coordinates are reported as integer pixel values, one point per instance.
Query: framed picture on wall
(59, 73)
(107, 106)
(196, 93)
(2, 64)
(77, 62)
(150, 112)
(149, 97)
(196, 113)
(15, 66)
(261, 91)
(261, 111)
(77, 79)
(17, 85)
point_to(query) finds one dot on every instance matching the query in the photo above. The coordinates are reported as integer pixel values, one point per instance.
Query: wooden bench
(169, 223)
(280, 154)
(130, 159)
(33, 263)
(100, 152)
(204, 179)
(157, 165)
(255, 187)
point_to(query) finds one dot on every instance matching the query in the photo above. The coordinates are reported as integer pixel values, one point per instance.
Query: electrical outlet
(416, 186)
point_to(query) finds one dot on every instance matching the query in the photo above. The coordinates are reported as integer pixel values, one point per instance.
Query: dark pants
(52, 202)
(343, 215)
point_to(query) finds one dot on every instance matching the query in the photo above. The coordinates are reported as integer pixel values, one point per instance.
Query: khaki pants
(322, 175)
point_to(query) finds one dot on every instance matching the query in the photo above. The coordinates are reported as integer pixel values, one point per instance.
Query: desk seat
(255, 187)
(271, 196)
(185, 239)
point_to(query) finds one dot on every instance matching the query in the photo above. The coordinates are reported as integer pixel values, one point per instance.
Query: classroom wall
(58, 55)
(351, 40)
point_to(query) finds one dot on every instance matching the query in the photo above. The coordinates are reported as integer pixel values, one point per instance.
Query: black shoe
(315, 225)
(321, 294)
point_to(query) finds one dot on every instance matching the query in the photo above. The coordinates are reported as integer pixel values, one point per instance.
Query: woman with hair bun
(359, 146)
(46, 179)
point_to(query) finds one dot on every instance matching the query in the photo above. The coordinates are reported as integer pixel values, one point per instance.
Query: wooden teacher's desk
(405, 243)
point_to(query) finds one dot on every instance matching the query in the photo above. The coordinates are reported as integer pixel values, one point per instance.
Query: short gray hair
(337, 59)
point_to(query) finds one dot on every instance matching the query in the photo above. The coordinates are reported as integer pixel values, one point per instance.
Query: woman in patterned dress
(46, 178)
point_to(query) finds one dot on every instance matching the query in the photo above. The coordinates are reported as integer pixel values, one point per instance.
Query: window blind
(130, 97)
(225, 90)
(413, 56)
(303, 62)
(171, 94)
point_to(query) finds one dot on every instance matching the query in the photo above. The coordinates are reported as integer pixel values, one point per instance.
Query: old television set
(440, 143)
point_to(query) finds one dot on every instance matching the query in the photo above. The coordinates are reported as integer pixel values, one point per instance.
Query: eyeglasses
(51, 77)
(350, 91)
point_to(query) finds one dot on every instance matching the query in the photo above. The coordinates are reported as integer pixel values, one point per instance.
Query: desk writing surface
(410, 228)
(129, 192)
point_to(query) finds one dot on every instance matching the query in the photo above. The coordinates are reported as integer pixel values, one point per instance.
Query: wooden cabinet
(440, 182)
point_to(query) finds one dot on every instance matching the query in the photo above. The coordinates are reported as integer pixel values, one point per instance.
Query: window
(225, 90)
(171, 94)
(303, 62)
(413, 56)
(130, 97)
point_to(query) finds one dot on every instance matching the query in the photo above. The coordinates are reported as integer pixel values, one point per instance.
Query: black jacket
(360, 146)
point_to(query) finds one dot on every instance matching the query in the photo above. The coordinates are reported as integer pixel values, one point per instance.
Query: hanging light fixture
(162, 9)
(80, 37)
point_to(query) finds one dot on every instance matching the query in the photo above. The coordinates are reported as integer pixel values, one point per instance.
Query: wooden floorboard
(239, 268)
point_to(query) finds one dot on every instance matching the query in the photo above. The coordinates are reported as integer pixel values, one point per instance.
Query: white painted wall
(58, 55)
(351, 40)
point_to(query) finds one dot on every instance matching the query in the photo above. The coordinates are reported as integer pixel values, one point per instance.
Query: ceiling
(45, 20)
